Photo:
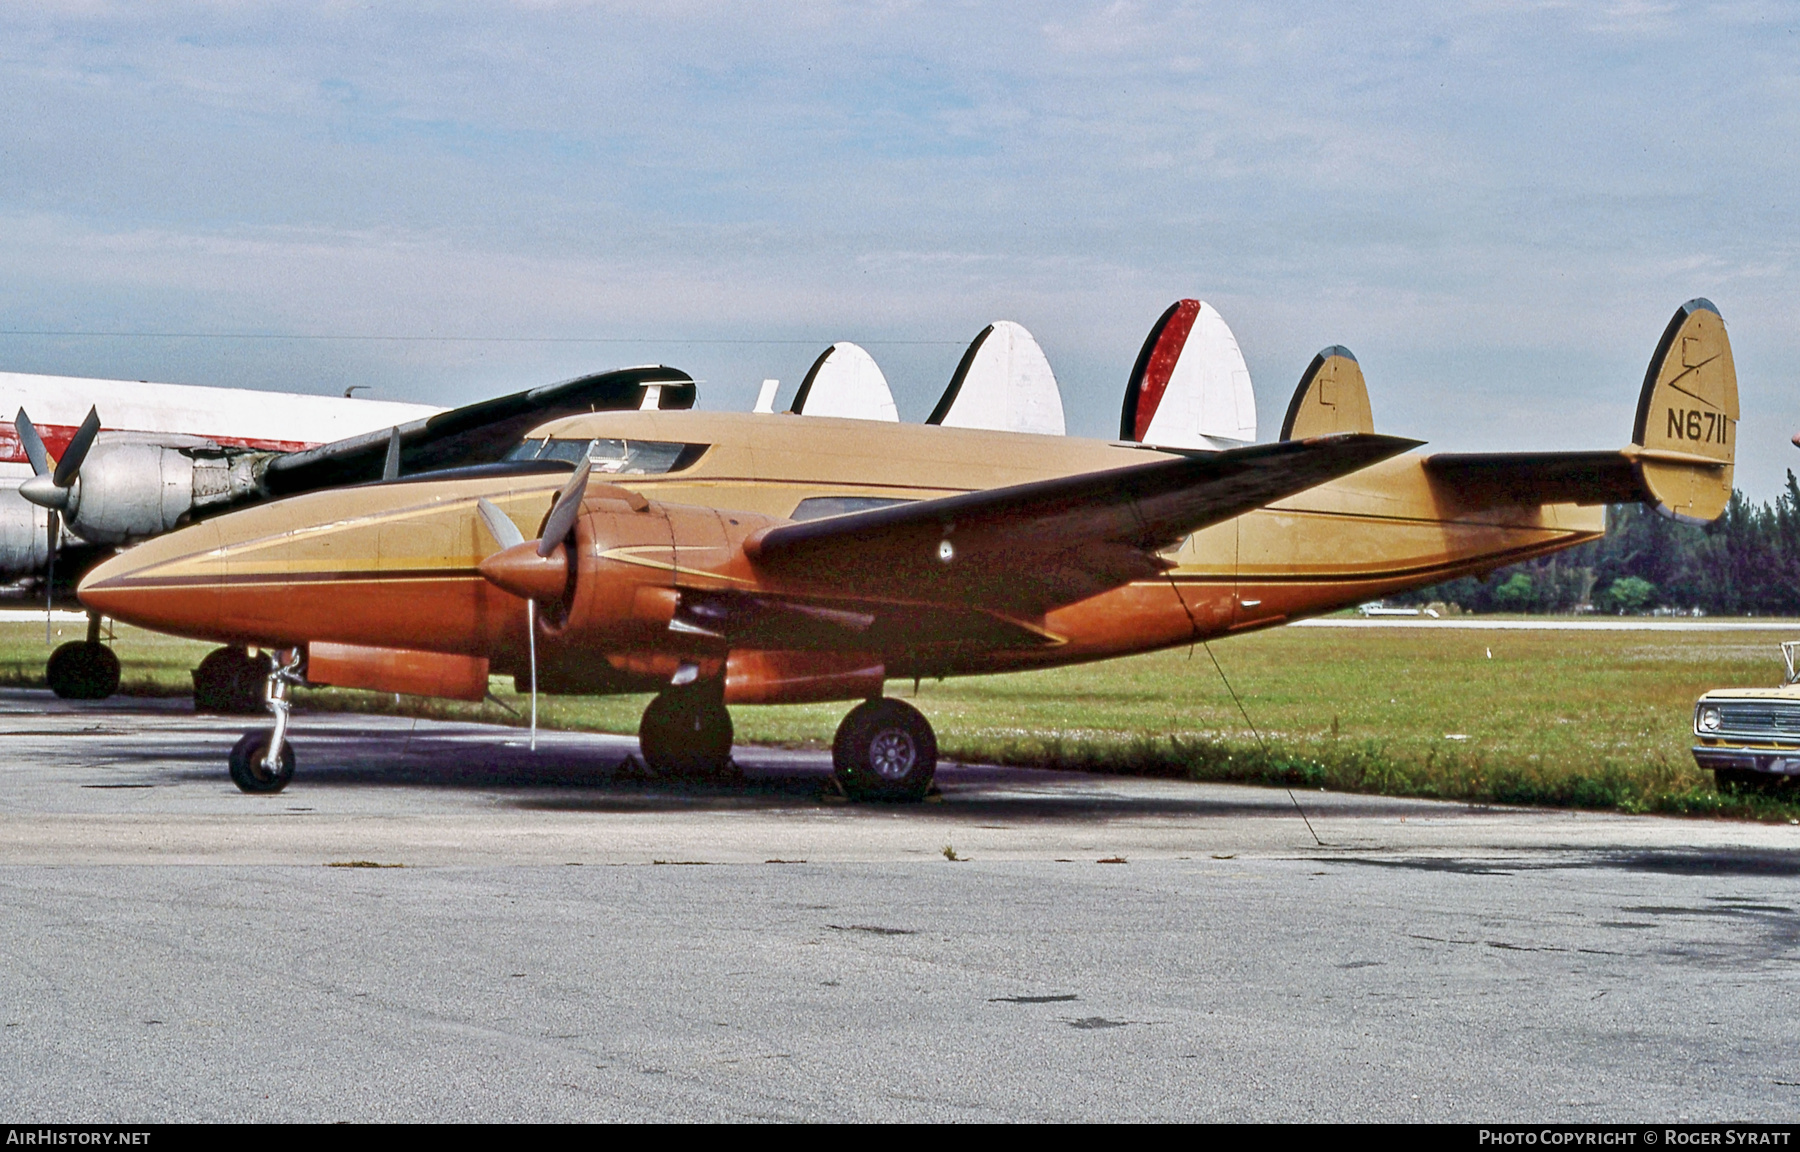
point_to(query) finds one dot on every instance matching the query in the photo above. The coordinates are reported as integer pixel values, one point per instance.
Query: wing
(480, 433)
(1025, 549)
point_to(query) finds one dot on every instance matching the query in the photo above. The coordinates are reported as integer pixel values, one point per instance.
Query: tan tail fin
(1331, 398)
(1685, 438)
(1680, 457)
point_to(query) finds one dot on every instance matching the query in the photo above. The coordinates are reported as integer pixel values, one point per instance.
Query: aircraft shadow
(580, 773)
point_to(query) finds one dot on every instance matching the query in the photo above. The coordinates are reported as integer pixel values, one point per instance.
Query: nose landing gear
(264, 761)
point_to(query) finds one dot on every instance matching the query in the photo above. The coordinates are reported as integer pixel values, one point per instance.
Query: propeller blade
(390, 468)
(32, 442)
(562, 516)
(499, 524)
(70, 465)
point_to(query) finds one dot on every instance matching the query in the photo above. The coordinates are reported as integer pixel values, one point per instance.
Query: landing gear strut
(83, 669)
(264, 761)
(686, 731)
(230, 681)
(884, 750)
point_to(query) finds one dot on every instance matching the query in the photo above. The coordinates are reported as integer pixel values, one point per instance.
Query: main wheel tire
(687, 732)
(230, 681)
(79, 670)
(247, 769)
(885, 750)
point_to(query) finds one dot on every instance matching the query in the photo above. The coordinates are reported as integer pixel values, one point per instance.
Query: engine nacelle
(132, 490)
(24, 534)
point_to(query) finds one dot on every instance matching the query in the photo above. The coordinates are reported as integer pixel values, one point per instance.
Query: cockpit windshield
(615, 457)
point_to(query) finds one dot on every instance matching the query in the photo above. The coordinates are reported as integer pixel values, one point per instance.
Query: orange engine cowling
(629, 562)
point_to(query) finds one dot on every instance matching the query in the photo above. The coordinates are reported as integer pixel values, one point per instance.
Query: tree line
(1747, 562)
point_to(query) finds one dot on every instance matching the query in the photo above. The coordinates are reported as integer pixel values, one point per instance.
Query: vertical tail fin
(1684, 441)
(1004, 382)
(1190, 387)
(1331, 398)
(845, 381)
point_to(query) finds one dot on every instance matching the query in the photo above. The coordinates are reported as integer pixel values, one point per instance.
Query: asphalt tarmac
(553, 937)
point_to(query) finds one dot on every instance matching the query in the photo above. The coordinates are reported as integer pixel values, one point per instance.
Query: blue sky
(1496, 205)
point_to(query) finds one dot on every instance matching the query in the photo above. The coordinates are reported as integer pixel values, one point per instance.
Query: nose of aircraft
(152, 586)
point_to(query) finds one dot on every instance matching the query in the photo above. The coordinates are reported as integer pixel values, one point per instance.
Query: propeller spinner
(533, 570)
(54, 488)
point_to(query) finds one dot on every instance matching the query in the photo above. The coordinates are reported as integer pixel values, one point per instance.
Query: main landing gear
(686, 732)
(230, 682)
(264, 761)
(83, 669)
(884, 749)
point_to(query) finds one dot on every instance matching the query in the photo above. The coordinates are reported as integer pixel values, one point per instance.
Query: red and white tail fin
(1004, 383)
(1190, 387)
(845, 381)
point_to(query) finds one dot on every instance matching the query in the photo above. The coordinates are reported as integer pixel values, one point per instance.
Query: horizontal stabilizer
(1683, 441)
(479, 433)
(1492, 479)
(1331, 398)
(1004, 383)
(1190, 387)
(846, 382)
(1030, 547)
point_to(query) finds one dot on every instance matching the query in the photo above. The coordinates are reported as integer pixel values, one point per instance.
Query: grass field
(1573, 718)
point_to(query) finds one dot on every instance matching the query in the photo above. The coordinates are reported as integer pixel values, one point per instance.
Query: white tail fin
(1004, 383)
(765, 399)
(1190, 387)
(845, 381)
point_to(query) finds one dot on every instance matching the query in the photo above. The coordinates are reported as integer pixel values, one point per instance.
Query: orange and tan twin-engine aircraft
(722, 559)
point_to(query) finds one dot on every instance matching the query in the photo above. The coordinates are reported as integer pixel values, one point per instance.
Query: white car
(1750, 737)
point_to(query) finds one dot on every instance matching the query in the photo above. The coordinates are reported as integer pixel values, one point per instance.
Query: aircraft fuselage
(395, 565)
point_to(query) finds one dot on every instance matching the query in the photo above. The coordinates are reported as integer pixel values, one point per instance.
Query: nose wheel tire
(230, 681)
(82, 670)
(885, 750)
(686, 732)
(247, 769)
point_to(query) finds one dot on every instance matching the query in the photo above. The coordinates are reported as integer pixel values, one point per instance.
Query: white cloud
(1495, 203)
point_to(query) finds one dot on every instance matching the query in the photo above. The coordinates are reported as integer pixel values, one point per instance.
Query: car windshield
(615, 457)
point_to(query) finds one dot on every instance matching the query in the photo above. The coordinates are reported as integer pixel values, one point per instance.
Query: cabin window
(819, 507)
(615, 457)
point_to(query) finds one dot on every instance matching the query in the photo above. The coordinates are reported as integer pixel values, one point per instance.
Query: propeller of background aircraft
(531, 569)
(54, 489)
